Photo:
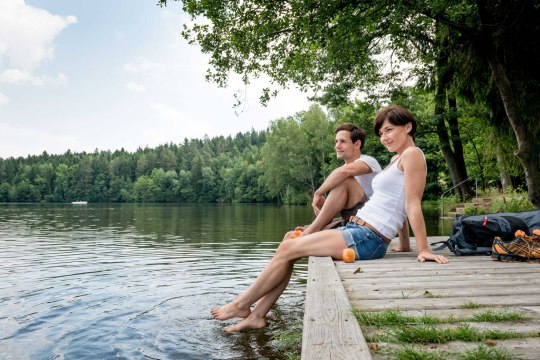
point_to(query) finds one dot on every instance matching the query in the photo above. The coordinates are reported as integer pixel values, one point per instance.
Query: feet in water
(229, 311)
(250, 322)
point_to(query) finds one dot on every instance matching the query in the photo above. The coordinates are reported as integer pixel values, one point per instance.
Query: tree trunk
(444, 140)
(452, 120)
(454, 157)
(506, 181)
(528, 157)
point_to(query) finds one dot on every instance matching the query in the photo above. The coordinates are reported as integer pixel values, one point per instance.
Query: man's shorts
(346, 214)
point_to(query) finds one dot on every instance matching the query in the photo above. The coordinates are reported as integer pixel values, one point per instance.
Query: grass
(486, 353)
(397, 327)
(430, 295)
(394, 317)
(490, 315)
(481, 352)
(425, 334)
(412, 353)
(290, 342)
(391, 317)
(407, 295)
(471, 305)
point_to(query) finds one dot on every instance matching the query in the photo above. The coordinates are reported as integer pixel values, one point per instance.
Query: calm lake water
(138, 281)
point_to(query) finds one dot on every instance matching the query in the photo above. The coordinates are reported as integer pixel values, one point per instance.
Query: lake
(137, 281)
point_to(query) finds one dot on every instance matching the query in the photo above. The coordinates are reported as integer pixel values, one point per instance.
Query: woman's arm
(414, 169)
(404, 241)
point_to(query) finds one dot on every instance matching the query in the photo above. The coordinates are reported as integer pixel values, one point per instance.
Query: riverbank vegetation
(467, 70)
(284, 163)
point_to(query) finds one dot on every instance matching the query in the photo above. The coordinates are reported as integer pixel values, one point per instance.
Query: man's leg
(344, 196)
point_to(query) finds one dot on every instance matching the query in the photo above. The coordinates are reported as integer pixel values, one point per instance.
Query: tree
(337, 47)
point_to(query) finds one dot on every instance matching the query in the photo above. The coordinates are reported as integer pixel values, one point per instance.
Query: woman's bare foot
(399, 249)
(250, 322)
(229, 311)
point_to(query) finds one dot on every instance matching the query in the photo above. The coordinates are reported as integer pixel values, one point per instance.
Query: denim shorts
(368, 244)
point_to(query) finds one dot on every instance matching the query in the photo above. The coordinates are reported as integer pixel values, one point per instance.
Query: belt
(361, 222)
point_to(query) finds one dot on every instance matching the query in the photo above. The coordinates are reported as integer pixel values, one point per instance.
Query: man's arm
(335, 178)
(341, 173)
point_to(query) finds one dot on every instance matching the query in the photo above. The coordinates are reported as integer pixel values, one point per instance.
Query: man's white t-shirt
(365, 179)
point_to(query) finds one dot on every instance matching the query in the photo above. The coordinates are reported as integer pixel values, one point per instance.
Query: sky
(82, 75)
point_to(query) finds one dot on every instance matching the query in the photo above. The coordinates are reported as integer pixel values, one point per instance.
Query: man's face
(345, 149)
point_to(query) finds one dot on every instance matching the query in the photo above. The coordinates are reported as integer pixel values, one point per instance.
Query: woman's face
(394, 137)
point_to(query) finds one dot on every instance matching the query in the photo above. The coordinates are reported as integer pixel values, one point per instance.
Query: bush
(474, 210)
(513, 201)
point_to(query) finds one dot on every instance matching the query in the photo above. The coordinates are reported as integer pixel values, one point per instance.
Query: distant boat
(79, 202)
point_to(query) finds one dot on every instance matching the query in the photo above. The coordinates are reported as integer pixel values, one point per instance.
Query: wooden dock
(399, 282)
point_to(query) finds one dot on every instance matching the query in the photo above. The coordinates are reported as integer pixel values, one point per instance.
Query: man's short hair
(356, 132)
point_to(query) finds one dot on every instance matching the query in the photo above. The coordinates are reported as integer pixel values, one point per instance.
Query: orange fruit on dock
(296, 233)
(348, 255)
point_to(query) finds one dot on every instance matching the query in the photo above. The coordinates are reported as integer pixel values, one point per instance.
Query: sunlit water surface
(138, 281)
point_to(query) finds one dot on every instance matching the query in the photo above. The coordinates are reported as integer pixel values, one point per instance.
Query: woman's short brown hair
(396, 115)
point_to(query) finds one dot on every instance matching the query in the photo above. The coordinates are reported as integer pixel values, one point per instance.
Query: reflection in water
(137, 281)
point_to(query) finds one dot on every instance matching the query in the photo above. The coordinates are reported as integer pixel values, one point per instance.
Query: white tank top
(385, 210)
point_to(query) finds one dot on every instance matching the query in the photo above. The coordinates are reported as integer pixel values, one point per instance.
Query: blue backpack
(474, 235)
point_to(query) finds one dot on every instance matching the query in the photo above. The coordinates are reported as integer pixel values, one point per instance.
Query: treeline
(221, 169)
(284, 163)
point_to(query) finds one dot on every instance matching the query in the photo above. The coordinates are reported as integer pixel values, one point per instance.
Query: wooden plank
(531, 311)
(411, 285)
(399, 282)
(523, 348)
(445, 303)
(437, 292)
(388, 270)
(330, 330)
(525, 329)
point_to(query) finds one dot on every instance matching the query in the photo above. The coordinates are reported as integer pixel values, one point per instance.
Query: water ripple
(132, 281)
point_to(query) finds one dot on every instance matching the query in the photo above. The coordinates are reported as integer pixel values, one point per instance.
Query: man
(348, 186)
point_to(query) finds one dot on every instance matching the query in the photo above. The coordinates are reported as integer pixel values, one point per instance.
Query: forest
(283, 164)
(467, 70)
(479, 52)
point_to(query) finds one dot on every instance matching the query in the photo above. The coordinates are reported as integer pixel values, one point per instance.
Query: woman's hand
(427, 256)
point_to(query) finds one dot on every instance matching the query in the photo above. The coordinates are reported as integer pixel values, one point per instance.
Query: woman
(397, 196)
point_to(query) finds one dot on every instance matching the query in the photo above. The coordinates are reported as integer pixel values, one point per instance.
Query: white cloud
(145, 66)
(134, 87)
(27, 37)
(175, 124)
(3, 99)
(35, 141)
(20, 77)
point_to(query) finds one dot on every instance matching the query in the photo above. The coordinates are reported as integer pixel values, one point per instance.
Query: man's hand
(426, 255)
(318, 201)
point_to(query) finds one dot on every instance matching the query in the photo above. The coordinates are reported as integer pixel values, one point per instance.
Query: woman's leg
(257, 318)
(275, 276)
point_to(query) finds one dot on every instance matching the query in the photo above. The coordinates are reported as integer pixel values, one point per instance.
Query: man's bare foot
(229, 311)
(248, 323)
(399, 249)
